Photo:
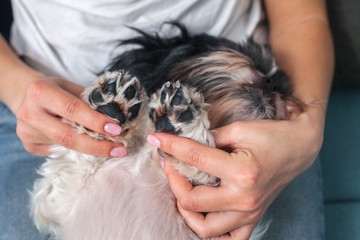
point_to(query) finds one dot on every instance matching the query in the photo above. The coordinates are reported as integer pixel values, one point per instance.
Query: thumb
(228, 135)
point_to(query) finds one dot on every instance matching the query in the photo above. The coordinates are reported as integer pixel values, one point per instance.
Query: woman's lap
(297, 213)
(17, 173)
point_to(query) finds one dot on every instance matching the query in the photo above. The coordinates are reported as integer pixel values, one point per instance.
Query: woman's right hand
(39, 123)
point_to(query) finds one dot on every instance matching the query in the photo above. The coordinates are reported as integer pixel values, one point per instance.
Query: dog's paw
(179, 110)
(118, 95)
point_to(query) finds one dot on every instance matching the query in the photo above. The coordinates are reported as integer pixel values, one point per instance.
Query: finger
(41, 150)
(223, 136)
(242, 134)
(211, 160)
(242, 233)
(216, 223)
(29, 134)
(66, 135)
(64, 104)
(230, 135)
(199, 198)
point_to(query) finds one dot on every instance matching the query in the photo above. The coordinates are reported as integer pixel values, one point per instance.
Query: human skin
(266, 155)
(38, 101)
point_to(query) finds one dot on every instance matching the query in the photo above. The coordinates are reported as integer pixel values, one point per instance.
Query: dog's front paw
(179, 110)
(120, 96)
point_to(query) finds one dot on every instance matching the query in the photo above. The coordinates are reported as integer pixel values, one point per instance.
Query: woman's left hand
(266, 155)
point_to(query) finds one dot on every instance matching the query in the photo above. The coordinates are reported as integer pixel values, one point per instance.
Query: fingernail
(112, 128)
(153, 141)
(118, 152)
(162, 162)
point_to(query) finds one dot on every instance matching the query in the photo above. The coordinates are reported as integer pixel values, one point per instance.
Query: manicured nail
(113, 129)
(162, 162)
(118, 152)
(153, 141)
(213, 131)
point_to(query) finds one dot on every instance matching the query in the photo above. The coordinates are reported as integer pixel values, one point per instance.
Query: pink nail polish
(118, 152)
(153, 141)
(113, 129)
(162, 162)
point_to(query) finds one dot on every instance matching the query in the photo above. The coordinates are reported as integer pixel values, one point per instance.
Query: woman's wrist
(21, 79)
(308, 134)
(15, 77)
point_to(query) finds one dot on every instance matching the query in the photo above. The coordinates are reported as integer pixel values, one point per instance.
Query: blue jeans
(296, 214)
(17, 173)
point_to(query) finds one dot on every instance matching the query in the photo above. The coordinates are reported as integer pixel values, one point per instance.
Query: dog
(184, 85)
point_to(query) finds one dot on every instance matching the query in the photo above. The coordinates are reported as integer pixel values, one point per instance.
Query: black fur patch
(162, 97)
(157, 60)
(278, 82)
(151, 114)
(261, 55)
(157, 57)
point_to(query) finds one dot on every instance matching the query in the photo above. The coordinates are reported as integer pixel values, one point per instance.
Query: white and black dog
(185, 85)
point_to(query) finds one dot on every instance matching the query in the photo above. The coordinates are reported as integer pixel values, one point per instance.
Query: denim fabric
(17, 173)
(296, 214)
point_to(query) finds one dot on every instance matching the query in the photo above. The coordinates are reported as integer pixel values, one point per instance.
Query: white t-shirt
(76, 39)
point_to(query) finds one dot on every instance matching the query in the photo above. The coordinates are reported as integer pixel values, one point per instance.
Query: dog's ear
(287, 107)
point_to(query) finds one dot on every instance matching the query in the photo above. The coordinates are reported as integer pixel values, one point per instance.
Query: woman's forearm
(15, 76)
(301, 41)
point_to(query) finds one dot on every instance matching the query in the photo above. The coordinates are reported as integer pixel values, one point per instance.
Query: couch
(340, 154)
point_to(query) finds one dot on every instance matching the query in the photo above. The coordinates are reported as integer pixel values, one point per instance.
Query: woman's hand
(266, 156)
(39, 124)
(39, 101)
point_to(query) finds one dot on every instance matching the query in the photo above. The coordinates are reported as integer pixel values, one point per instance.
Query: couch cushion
(345, 26)
(342, 221)
(340, 154)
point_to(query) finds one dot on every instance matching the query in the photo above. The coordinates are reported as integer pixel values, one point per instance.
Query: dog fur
(185, 85)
